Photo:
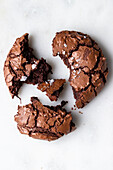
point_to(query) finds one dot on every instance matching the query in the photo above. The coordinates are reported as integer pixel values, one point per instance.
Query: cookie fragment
(21, 66)
(52, 87)
(43, 122)
(87, 64)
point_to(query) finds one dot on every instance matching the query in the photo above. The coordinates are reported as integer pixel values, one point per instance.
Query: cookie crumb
(80, 112)
(73, 108)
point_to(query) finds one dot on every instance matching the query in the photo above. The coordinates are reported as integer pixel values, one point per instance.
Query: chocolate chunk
(21, 66)
(43, 122)
(52, 87)
(87, 64)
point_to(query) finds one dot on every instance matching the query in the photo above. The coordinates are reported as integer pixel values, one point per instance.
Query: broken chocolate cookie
(21, 66)
(87, 64)
(52, 87)
(44, 122)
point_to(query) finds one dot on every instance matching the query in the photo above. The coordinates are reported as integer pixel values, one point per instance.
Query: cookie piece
(43, 122)
(87, 64)
(52, 87)
(21, 66)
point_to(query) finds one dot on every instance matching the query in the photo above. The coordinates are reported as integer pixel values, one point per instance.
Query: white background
(90, 147)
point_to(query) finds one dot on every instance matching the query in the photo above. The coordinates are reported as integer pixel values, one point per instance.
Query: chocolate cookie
(52, 87)
(87, 64)
(21, 66)
(43, 122)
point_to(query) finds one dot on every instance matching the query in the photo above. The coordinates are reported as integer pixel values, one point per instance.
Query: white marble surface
(90, 147)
